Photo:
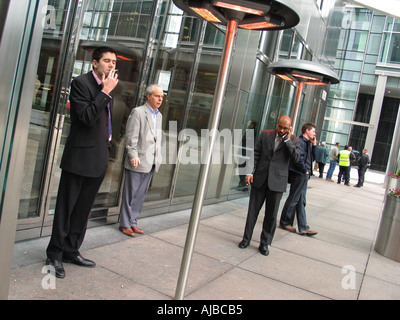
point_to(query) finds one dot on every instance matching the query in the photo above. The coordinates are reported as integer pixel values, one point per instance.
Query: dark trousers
(75, 198)
(321, 167)
(257, 198)
(345, 171)
(361, 176)
(296, 202)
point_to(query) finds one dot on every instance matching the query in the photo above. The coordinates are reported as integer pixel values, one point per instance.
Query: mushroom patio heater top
(302, 72)
(253, 15)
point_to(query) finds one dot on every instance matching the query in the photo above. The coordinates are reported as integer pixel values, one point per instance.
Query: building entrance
(70, 30)
(48, 123)
(156, 43)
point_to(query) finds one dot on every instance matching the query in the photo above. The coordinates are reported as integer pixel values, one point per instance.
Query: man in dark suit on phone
(272, 154)
(85, 159)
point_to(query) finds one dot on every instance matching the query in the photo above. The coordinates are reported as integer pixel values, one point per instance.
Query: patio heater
(259, 15)
(303, 72)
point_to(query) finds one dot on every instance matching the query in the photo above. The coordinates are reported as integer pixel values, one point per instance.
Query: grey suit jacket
(274, 164)
(142, 141)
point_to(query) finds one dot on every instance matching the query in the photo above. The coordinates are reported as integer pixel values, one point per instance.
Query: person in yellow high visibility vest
(344, 166)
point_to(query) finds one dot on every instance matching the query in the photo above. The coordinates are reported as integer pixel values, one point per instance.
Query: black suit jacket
(274, 165)
(86, 151)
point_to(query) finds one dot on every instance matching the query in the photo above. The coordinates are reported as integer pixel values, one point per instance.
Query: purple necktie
(109, 123)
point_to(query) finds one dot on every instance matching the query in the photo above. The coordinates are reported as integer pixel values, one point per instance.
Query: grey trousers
(135, 188)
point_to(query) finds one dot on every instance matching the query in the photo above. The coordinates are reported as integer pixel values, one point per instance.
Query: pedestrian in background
(362, 166)
(344, 166)
(334, 158)
(321, 157)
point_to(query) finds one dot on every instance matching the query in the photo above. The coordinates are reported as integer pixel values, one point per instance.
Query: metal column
(375, 114)
(215, 117)
(21, 32)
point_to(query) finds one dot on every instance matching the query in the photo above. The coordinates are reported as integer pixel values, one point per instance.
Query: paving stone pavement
(339, 263)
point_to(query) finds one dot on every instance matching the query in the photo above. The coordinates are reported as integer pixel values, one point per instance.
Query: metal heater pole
(215, 117)
(299, 90)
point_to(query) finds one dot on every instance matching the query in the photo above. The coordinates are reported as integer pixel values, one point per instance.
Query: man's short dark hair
(98, 52)
(307, 126)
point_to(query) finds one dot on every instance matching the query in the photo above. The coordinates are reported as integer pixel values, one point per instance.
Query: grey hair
(150, 89)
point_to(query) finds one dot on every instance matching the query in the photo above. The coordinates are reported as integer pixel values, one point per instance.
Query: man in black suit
(272, 154)
(85, 159)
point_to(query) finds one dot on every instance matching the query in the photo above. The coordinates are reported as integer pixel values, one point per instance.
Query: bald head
(283, 126)
(285, 120)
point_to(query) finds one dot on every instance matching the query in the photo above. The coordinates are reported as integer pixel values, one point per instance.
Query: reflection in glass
(43, 104)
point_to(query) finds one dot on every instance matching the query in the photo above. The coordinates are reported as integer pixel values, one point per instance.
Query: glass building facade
(158, 43)
(362, 110)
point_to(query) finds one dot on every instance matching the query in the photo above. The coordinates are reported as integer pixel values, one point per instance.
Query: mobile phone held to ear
(285, 135)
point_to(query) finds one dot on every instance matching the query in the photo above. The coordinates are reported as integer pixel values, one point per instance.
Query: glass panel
(286, 44)
(394, 50)
(385, 47)
(224, 151)
(343, 104)
(369, 68)
(340, 114)
(171, 70)
(280, 102)
(197, 111)
(368, 79)
(243, 145)
(350, 76)
(332, 137)
(43, 109)
(297, 49)
(396, 27)
(344, 90)
(374, 44)
(377, 24)
(389, 24)
(358, 40)
(352, 65)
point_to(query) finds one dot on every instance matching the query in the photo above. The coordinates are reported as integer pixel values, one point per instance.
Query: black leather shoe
(263, 250)
(58, 267)
(243, 244)
(80, 261)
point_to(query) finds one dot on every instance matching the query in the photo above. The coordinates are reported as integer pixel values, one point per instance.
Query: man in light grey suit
(143, 146)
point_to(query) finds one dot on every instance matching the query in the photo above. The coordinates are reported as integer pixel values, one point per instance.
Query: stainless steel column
(215, 116)
(388, 238)
(394, 156)
(376, 113)
(19, 49)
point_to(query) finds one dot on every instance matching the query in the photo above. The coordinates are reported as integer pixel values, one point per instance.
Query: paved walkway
(338, 263)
